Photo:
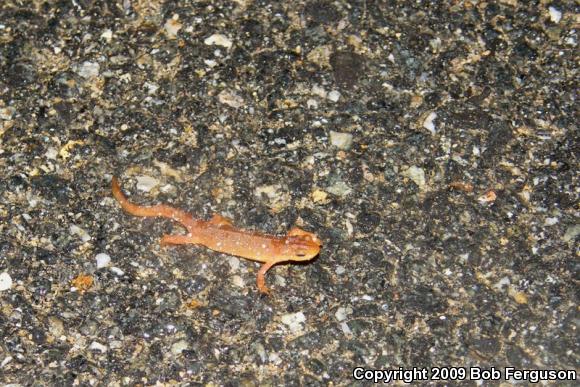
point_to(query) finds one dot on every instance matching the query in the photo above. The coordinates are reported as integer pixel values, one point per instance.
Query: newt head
(300, 245)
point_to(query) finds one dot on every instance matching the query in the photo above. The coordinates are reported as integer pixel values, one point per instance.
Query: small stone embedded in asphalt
(5, 281)
(341, 140)
(103, 260)
(294, 321)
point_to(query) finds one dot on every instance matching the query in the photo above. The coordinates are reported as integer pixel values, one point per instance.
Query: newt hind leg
(177, 240)
(221, 221)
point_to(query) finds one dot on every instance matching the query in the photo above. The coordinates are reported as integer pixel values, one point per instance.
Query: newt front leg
(261, 280)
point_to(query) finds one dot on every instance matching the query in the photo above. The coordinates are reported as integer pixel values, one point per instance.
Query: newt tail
(160, 210)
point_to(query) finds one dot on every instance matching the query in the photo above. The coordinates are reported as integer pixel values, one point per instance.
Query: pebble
(55, 326)
(571, 233)
(5, 281)
(319, 196)
(294, 321)
(312, 104)
(96, 346)
(334, 96)
(238, 281)
(555, 15)
(179, 347)
(172, 27)
(261, 351)
(151, 88)
(234, 263)
(76, 230)
(417, 175)
(51, 153)
(341, 140)
(146, 183)
(429, 124)
(345, 329)
(318, 91)
(7, 113)
(218, 40)
(342, 313)
(117, 271)
(88, 69)
(7, 360)
(107, 35)
(340, 188)
(103, 260)
(504, 281)
(231, 99)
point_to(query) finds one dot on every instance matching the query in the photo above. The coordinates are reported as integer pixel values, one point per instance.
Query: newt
(219, 234)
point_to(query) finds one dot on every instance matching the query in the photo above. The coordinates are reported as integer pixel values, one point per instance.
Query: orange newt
(219, 234)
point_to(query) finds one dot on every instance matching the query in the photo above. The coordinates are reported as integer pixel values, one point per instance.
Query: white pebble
(340, 188)
(417, 175)
(334, 96)
(179, 347)
(345, 329)
(342, 313)
(504, 281)
(96, 346)
(231, 99)
(210, 63)
(51, 153)
(88, 69)
(5, 281)
(274, 358)
(318, 91)
(151, 88)
(172, 27)
(117, 271)
(7, 113)
(107, 35)
(571, 233)
(76, 230)
(238, 281)
(7, 360)
(294, 321)
(261, 351)
(429, 124)
(218, 40)
(103, 260)
(555, 15)
(233, 262)
(341, 140)
(311, 104)
(146, 183)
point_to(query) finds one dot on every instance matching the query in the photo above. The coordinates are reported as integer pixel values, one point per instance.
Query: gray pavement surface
(432, 146)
